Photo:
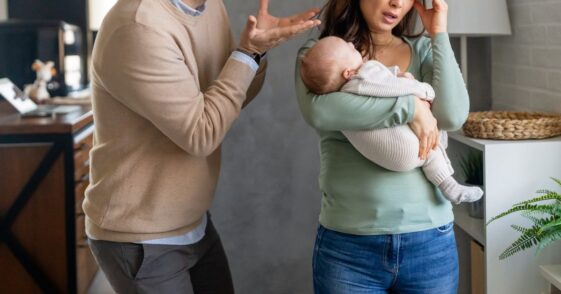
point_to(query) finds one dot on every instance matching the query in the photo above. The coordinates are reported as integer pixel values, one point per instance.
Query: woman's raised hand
(424, 126)
(435, 20)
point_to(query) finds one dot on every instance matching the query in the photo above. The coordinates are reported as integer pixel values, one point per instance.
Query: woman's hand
(265, 31)
(435, 20)
(424, 126)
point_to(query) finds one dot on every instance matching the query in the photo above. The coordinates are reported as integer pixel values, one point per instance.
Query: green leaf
(549, 209)
(527, 240)
(549, 196)
(544, 191)
(531, 215)
(550, 224)
(519, 229)
(548, 238)
(472, 167)
(546, 219)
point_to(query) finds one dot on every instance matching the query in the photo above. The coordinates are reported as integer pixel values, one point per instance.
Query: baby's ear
(349, 73)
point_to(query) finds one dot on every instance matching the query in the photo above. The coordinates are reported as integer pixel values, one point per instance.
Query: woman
(384, 231)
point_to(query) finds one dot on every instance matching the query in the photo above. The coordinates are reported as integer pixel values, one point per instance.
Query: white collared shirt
(188, 9)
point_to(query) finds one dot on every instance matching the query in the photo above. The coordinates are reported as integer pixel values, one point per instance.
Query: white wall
(3, 9)
(527, 65)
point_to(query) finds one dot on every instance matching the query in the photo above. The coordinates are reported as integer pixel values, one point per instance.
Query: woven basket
(509, 125)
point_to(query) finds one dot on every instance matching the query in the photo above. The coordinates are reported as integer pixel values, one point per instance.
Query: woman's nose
(396, 3)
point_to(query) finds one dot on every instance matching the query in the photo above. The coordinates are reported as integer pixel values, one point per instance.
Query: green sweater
(360, 197)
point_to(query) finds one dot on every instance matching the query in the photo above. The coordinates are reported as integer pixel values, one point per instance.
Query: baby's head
(329, 64)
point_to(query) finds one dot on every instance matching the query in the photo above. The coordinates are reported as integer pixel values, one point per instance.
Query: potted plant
(544, 230)
(472, 168)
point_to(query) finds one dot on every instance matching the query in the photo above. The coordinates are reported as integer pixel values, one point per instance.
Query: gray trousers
(144, 268)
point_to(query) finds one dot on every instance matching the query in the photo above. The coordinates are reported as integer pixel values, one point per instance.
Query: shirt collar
(187, 9)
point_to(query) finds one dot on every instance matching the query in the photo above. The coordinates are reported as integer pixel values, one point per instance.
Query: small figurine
(45, 72)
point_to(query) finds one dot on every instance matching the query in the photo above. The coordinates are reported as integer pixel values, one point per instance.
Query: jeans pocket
(133, 258)
(445, 229)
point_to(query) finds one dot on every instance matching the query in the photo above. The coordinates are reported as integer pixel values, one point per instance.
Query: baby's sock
(457, 193)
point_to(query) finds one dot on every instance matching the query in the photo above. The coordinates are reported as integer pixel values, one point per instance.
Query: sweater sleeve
(345, 111)
(440, 69)
(145, 71)
(259, 79)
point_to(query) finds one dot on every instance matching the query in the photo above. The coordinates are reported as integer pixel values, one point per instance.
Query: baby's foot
(459, 193)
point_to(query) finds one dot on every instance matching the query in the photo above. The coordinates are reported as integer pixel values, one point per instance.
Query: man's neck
(194, 3)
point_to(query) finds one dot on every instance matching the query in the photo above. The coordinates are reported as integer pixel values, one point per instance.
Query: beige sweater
(165, 92)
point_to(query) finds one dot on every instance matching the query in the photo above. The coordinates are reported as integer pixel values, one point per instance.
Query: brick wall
(526, 67)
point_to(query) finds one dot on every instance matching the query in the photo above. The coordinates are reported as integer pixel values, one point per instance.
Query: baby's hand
(406, 75)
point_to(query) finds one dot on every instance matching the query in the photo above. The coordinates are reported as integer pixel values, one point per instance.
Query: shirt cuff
(410, 107)
(244, 58)
(440, 39)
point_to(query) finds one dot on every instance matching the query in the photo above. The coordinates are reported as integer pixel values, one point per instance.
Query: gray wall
(527, 65)
(3, 9)
(268, 200)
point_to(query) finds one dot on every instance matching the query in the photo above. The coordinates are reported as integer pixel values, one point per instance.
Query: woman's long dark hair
(343, 18)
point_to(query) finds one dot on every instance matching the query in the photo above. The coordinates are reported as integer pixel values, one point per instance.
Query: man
(168, 82)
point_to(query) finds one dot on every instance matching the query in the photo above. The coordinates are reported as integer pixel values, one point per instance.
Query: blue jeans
(419, 262)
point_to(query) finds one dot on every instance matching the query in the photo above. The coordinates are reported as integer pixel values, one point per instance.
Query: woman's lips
(389, 18)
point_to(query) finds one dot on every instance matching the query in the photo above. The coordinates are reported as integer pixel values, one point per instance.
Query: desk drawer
(85, 143)
(81, 171)
(81, 156)
(80, 193)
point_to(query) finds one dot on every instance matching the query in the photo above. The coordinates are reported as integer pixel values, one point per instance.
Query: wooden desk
(44, 169)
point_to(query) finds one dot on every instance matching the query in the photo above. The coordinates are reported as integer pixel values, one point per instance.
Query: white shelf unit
(474, 227)
(552, 273)
(513, 171)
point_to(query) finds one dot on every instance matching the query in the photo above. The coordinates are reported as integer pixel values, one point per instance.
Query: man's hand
(265, 31)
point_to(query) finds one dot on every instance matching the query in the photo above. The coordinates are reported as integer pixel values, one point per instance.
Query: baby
(335, 65)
